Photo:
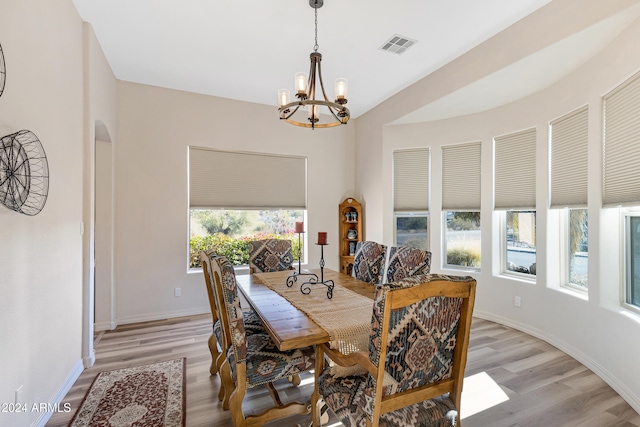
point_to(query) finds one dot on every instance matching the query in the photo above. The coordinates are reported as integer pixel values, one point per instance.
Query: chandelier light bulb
(341, 89)
(283, 97)
(301, 83)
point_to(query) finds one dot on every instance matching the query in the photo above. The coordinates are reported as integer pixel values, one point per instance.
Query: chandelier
(306, 93)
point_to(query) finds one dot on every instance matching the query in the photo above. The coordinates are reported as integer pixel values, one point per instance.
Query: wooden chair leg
(213, 348)
(274, 394)
(237, 396)
(226, 385)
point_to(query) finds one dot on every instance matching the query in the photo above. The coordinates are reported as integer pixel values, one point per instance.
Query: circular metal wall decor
(3, 71)
(24, 173)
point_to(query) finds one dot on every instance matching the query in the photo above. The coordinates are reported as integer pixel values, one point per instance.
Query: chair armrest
(345, 360)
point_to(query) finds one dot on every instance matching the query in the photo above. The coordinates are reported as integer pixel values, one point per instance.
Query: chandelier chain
(315, 47)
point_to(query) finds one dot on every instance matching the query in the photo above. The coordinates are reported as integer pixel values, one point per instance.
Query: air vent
(398, 44)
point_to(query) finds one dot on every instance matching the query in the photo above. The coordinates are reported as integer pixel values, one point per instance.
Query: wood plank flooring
(512, 379)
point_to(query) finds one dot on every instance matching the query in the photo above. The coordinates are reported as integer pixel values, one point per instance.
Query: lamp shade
(283, 97)
(301, 82)
(341, 88)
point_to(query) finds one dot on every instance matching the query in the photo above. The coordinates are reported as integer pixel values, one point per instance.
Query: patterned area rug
(144, 396)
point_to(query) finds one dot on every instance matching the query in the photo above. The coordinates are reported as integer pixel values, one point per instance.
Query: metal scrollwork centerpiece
(24, 173)
(305, 287)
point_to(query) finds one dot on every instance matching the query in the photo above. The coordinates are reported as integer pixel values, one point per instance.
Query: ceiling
(248, 49)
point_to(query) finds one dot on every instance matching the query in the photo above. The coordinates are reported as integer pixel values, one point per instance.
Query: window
(515, 193)
(632, 294)
(462, 243)
(461, 195)
(235, 197)
(230, 231)
(411, 197)
(520, 244)
(577, 248)
(621, 153)
(411, 230)
(568, 173)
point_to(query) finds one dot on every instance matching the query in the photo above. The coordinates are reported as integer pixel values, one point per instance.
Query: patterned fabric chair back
(406, 262)
(368, 262)
(230, 312)
(270, 255)
(426, 337)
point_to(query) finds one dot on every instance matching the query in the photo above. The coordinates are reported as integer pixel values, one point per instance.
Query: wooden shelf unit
(349, 218)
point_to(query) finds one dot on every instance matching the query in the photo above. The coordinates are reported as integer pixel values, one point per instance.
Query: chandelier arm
(284, 108)
(324, 95)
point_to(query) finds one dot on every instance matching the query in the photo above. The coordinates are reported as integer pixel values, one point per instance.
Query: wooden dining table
(289, 326)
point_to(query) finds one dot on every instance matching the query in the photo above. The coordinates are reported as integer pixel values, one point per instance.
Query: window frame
(565, 264)
(503, 247)
(244, 268)
(423, 214)
(445, 264)
(627, 214)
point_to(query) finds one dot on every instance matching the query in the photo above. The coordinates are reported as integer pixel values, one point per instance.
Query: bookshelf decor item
(350, 228)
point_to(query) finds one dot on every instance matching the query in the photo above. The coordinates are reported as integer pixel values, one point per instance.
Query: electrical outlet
(177, 292)
(518, 301)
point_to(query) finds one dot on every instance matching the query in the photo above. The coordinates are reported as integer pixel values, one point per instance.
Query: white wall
(155, 128)
(593, 329)
(41, 256)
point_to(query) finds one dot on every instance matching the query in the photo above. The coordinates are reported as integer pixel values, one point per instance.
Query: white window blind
(234, 180)
(461, 177)
(622, 144)
(569, 148)
(411, 180)
(515, 171)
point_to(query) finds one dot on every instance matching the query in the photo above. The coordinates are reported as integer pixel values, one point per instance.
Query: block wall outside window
(520, 245)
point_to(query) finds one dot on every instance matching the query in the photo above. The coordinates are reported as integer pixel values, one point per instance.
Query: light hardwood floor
(512, 379)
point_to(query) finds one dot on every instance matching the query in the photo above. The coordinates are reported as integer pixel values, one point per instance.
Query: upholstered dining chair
(270, 255)
(406, 262)
(368, 262)
(413, 371)
(216, 341)
(252, 360)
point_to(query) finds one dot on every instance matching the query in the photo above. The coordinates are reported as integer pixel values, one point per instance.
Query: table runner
(346, 316)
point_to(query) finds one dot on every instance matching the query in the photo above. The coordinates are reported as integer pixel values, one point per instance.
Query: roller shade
(569, 149)
(235, 180)
(622, 144)
(461, 177)
(515, 171)
(411, 180)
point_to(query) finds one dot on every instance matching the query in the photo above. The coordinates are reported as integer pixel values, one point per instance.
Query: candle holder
(294, 277)
(305, 287)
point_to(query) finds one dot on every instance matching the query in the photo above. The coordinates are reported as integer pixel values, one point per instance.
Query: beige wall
(155, 128)
(41, 256)
(593, 328)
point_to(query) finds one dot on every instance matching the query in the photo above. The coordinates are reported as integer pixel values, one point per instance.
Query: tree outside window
(230, 231)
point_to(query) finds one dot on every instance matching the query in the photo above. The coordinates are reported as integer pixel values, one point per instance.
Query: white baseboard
(105, 326)
(62, 392)
(598, 369)
(160, 316)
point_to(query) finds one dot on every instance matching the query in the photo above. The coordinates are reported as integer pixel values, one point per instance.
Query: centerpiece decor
(305, 287)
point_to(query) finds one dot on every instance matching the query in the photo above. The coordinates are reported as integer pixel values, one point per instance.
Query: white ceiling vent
(398, 44)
